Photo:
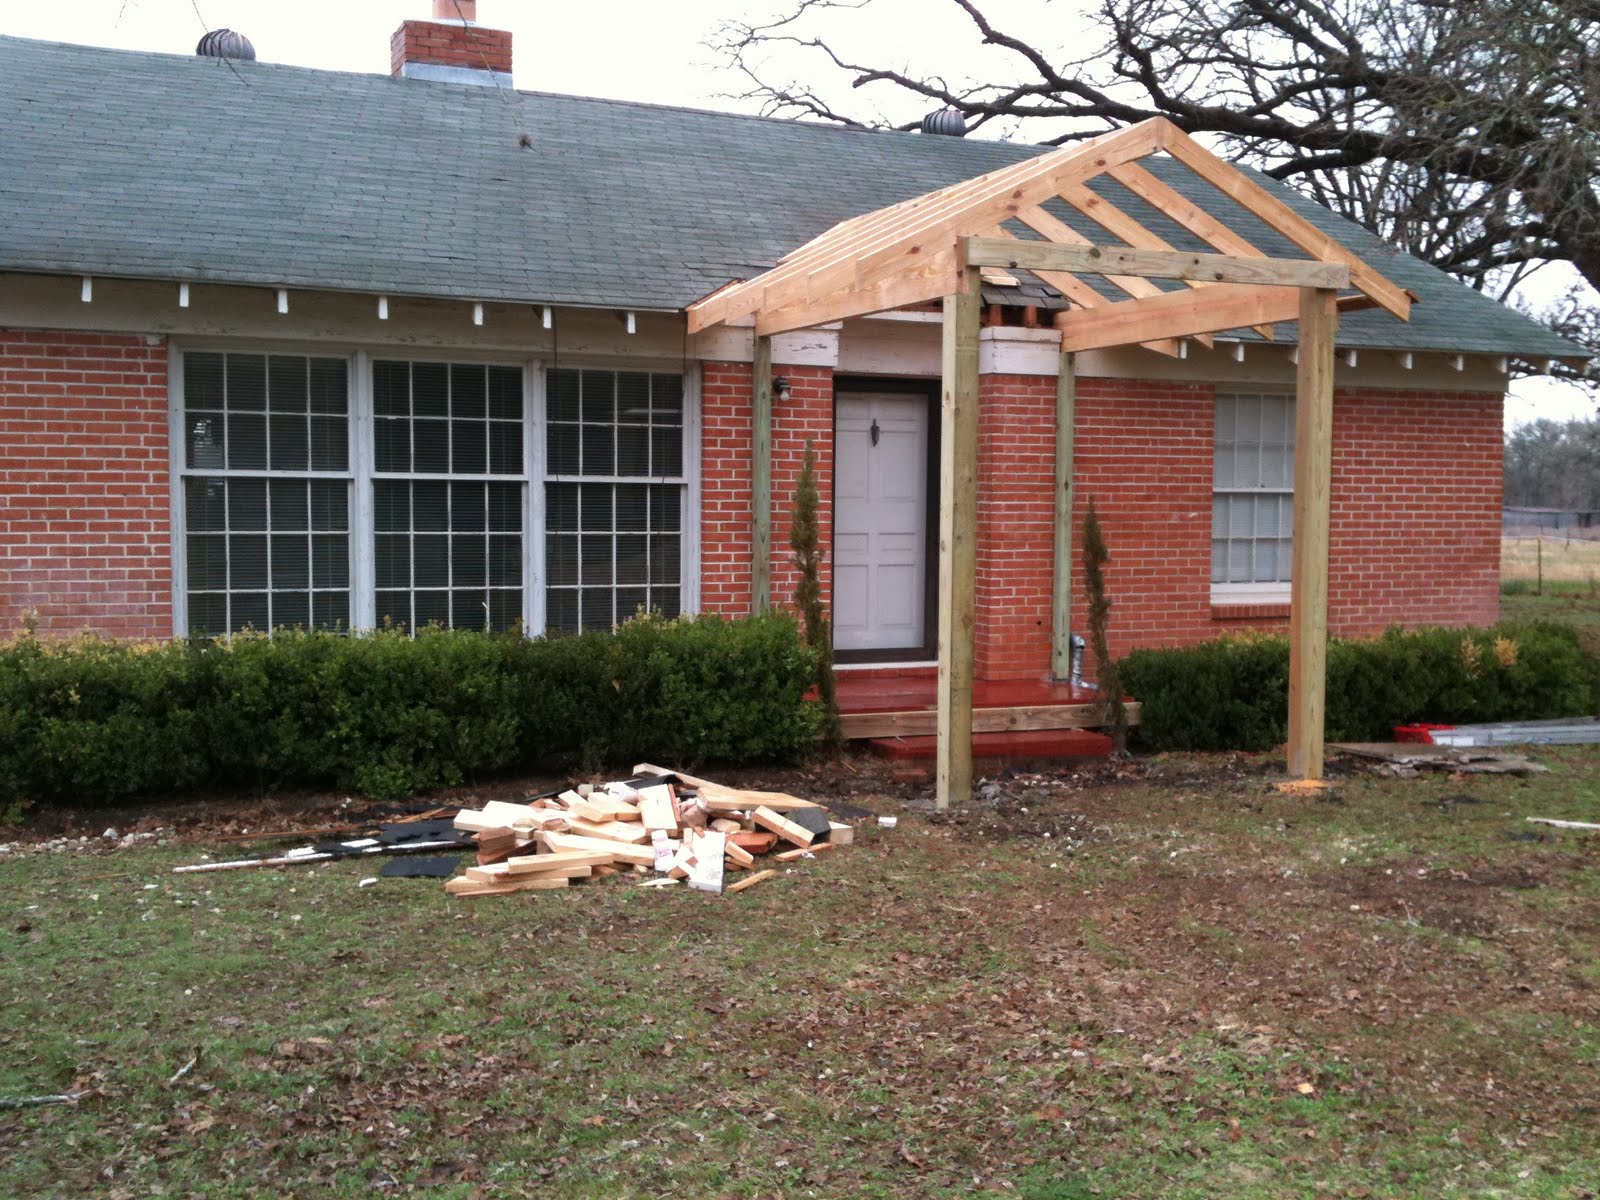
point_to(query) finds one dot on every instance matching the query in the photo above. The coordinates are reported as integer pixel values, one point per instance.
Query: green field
(1153, 979)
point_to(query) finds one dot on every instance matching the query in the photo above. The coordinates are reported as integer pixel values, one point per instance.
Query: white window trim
(178, 461)
(359, 428)
(689, 515)
(1224, 595)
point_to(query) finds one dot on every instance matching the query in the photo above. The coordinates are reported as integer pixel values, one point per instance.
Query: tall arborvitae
(805, 539)
(1095, 557)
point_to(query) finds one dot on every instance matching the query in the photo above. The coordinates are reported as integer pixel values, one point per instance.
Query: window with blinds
(266, 491)
(614, 497)
(448, 487)
(1252, 502)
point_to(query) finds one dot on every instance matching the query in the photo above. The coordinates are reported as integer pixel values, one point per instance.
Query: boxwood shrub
(91, 720)
(1232, 693)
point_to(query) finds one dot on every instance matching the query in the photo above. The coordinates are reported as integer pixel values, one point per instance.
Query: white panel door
(880, 530)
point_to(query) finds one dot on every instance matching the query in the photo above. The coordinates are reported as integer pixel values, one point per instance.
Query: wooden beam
(1061, 571)
(1313, 460)
(1239, 187)
(1177, 314)
(938, 276)
(921, 722)
(958, 530)
(1155, 264)
(907, 234)
(1181, 209)
(761, 478)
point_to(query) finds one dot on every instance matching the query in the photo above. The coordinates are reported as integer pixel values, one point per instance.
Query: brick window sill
(1277, 611)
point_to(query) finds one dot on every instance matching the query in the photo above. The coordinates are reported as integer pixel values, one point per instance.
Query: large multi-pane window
(447, 494)
(614, 497)
(266, 491)
(347, 492)
(1252, 503)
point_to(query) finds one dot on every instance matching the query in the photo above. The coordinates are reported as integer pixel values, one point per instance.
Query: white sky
(639, 50)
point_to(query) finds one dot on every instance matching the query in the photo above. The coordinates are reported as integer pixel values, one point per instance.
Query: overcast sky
(647, 51)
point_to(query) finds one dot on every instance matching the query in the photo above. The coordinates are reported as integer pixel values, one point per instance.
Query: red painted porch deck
(897, 715)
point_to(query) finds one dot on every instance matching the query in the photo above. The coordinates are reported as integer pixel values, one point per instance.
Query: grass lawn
(1160, 979)
(1572, 562)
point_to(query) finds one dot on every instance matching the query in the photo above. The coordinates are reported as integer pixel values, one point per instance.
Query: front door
(881, 530)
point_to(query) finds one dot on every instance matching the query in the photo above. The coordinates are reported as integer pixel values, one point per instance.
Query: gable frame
(936, 246)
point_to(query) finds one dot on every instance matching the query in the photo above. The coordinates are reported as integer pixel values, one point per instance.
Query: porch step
(1035, 743)
(1042, 718)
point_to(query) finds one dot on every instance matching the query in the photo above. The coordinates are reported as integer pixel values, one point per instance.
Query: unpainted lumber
(585, 809)
(620, 851)
(783, 827)
(737, 854)
(462, 886)
(726, 825)
(614, 809)
(721, 798)
(612, 831)
(808, 851)
(536, 864)
(840, 834)
(748, 881)
(656, 808)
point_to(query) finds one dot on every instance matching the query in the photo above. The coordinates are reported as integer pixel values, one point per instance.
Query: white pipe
(477, 314)
(86, 292)
(383, 308)
(283, 301)
(183, 295)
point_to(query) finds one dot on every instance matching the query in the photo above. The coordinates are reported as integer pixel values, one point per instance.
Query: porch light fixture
(183, 295)
(780, 388)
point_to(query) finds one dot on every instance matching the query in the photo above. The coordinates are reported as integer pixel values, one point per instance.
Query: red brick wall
(84, 488)
(725, 524)
(1016, 523)
(450, 45)
(1417, 483)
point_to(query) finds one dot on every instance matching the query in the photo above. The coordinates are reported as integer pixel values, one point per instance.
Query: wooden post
(958, 530)
(1061, 608)
(1313, 466)
(761, 478)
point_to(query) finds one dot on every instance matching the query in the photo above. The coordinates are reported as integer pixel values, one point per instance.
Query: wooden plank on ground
(737, 854)
(462, 886)
(748, 881)
(613, 831)
(803, 852)
(840, 834)
(535, 864)
(621, 851)
(783, 827)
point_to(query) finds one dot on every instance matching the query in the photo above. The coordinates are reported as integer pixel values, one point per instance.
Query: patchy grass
(1160, 979)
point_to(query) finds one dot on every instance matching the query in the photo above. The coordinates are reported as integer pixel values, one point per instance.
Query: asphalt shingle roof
(176, 167)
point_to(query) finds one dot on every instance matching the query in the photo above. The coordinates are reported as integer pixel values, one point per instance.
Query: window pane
(599, 398)
(595, 607)
(247, 442)
(505, 507)
(667, 457)
(208, 615)
(391, 445)
(505, 393)
(204, 438)
(391, 504)
(330, 386)
(431, 608)
(331, 609)
(289, 446)
(330, 561)
(431, 447)
(291, 610)
(247, 382)
(250, 610)
(430, 560)
(430, 506)
(430, 389)
(505, 448)
(469, 452)
(467, 508)
(562, 402)
(286, 384)
(469, 391)
(561, 560)
(203, 381)
(1252, 474)
(288, 504)
(561, 610)
(505, 561)
(247, 561)
(391, 389)
(599, 455)
(330, 444)
(291, 561)
(561, 449)
(468, 562)
(206, 505)
(505, 609)
(469, 609)
(247, 504)
(208, 563)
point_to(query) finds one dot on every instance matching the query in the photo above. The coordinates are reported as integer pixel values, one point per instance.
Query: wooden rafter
(915, 251)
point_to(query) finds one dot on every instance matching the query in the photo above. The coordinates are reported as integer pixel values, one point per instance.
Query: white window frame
(359, 475)
(179, 471)
(689, 482)
(1239, 594)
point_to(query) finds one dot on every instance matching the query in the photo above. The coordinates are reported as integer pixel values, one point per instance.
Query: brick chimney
(452, 48)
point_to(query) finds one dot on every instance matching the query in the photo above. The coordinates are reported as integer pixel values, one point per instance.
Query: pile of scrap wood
(660, 823)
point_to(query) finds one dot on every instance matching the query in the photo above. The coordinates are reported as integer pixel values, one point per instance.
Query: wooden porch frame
(936, 246)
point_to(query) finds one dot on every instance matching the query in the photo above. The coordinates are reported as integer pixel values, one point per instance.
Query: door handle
(874, 431)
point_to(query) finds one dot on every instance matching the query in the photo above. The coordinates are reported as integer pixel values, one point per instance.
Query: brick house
(287, 347)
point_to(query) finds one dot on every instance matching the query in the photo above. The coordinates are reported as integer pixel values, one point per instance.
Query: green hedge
(91, 720)
(1232, 693)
